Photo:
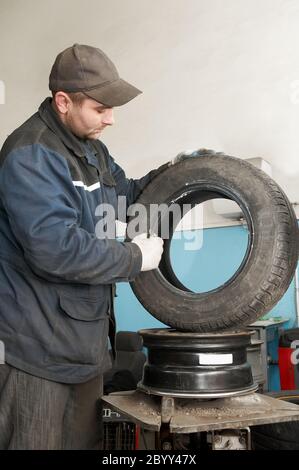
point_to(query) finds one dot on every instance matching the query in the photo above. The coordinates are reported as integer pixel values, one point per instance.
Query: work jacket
(55, 273)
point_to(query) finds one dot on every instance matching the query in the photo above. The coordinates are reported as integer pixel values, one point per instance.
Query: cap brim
(113, 94)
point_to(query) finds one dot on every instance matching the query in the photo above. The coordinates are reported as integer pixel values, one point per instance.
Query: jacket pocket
(83, 309)
(81, 331)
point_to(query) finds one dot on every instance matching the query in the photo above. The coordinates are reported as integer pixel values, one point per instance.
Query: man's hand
(195, 153)
(151, 249)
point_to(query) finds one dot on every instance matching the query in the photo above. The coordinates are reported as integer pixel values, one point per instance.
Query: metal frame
(169, 415)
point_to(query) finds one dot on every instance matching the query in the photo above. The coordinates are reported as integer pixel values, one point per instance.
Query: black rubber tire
(278, 436)
(267, 268)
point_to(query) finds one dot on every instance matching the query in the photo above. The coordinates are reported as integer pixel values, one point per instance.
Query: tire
(278, 436)
(267, 268)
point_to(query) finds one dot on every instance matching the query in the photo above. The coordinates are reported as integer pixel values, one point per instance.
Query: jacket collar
(51, 119)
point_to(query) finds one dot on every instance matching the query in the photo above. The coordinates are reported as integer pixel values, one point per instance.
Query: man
(56, 276)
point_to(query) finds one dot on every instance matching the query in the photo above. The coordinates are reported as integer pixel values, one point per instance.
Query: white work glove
(195, 153)
(151, 249)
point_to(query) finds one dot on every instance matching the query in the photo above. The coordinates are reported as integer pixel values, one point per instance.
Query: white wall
(219, 74)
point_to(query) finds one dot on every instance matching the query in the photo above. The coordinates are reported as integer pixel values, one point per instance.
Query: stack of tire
(262, 278)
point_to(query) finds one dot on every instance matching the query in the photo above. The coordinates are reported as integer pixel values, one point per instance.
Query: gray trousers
(36, 413)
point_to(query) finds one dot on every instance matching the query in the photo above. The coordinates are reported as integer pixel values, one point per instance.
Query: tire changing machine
(197, 392)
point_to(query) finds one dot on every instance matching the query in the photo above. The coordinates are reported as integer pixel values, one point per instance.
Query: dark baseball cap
(89, 70)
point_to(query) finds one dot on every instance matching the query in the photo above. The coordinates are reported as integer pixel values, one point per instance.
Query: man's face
(88, 119)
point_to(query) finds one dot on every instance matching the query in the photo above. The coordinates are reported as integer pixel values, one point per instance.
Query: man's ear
(62, 102)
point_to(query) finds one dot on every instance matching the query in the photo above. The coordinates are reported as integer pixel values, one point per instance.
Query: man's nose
(108, 117)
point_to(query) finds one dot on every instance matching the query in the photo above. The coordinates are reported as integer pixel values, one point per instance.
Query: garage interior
(214, 75)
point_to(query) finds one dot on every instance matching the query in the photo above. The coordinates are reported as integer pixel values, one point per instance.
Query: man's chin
(94, 135)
